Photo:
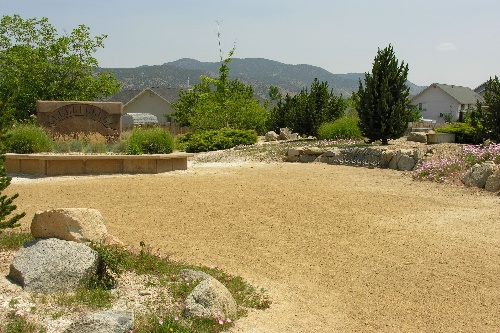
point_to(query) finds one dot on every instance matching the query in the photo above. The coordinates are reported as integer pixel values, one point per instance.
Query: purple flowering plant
(450, 168)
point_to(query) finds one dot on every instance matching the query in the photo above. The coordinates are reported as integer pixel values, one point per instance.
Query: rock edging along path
(82, 164)
(402, 159)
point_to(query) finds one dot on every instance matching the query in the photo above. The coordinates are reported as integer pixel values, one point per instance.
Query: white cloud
(446, 47)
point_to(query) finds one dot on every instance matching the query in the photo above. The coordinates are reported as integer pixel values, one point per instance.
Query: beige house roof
(126, 96)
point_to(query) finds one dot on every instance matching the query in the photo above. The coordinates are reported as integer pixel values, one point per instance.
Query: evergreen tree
(491, 116)
(6, 203)
(383, 99)
(304, 113)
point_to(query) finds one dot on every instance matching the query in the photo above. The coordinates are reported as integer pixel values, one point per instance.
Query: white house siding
(436, 102)
(149, 102)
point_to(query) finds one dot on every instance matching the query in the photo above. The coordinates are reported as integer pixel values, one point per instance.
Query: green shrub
(464, 133)
(149, 141)
(342, 128)
(28, 139)
(215, 140)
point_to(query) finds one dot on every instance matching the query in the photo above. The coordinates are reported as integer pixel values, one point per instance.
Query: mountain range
(257, 72)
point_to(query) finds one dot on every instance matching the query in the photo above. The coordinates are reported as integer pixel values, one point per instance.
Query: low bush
(153, 140)
(215, 140)
(464, 133)
(28, 139)
(342, 128)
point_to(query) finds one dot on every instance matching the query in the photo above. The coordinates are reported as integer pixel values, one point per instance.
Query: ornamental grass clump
(28, 139)
(440, 171)
(153, 140)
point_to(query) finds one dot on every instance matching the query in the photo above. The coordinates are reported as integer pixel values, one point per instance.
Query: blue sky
(443, 41)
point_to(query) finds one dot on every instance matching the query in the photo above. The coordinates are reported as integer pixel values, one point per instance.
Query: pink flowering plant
(17, 322)
(167, 322)
(440, 171)
(447, 169)
(482, 153)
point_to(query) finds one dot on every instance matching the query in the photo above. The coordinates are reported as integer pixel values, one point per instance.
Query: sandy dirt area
(340, 249)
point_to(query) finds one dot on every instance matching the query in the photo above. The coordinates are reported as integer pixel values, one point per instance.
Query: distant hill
(258, 72)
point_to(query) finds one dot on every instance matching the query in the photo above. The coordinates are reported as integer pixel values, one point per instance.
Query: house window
(462, 106)
(420, 106)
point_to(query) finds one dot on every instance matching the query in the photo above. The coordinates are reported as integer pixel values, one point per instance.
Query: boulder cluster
(285, 134)
(402, 159)
(485, 175)
(60, 260)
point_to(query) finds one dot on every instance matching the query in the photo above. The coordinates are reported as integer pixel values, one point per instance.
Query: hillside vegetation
(258, 72)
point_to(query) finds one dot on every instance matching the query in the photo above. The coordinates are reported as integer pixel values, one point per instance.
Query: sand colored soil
(341, 249)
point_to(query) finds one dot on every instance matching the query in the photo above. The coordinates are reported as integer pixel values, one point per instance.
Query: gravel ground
(340, 248)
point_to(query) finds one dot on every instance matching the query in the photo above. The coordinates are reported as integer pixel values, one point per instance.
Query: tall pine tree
(383, 99)
(491, 116)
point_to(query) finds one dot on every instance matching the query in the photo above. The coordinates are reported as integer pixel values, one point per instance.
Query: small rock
(103, 322)
(210, 298)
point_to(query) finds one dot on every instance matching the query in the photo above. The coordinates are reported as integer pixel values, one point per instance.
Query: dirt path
(341, 249)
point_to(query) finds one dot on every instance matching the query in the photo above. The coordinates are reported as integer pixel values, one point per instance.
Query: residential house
(156, 101)
(440, 102)
(481, 89)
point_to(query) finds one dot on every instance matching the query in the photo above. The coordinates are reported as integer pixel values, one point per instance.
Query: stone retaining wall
(403, 159)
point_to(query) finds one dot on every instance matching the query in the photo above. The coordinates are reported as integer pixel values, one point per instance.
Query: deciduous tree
(217, 103)
(36, 63)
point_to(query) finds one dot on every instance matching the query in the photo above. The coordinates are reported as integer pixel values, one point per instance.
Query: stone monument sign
(71, 117)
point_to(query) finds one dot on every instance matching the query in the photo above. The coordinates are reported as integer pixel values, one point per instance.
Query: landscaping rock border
(402, 159)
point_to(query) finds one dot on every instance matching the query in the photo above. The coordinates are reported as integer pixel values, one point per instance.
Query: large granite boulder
(417, 137)
(406, 163)
(286, 134)
(210, 298)
(478, 174)
(403, 160)
(386, 158)
(51, 265)
(271, 136)
(493, 182)
(103, 322)
(72, 224)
